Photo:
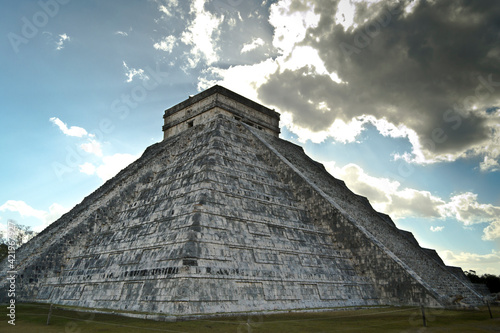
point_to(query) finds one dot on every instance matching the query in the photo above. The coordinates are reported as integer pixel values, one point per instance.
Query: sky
(400, 99)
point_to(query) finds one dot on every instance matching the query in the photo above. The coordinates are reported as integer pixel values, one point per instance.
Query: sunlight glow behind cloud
(201, 35)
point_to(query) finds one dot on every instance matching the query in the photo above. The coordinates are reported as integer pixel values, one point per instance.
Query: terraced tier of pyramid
(224, 217)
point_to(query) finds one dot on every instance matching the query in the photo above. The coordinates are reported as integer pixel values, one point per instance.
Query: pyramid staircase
(445, 282)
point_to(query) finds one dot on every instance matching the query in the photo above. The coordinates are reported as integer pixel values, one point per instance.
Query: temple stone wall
(218, 100)
(165, 241)
(392, 279)
(223, 217)
(423, 264)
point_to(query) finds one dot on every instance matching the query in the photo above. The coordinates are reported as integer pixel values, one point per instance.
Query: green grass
(33, 318)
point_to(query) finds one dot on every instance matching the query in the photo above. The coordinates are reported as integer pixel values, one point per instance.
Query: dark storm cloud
(427, 70)
(300, 92)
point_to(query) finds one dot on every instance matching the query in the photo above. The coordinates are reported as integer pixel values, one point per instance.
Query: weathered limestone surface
(424, 265)
(224, 217)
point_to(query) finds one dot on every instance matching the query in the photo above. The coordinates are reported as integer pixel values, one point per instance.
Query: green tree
(17, 232)
(492, 282)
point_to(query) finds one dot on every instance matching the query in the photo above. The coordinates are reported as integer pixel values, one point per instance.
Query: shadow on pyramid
(223, 217)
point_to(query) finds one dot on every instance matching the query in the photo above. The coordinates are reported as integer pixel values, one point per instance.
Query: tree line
(491, 281)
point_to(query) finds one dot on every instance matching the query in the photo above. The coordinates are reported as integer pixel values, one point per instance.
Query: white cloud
(465, 208)
(436, 229)
(72, 131)
(491, 151)
(348, 132)
(62, 39)
(55, 212)
(46, 217)
(489, 165)
(87, 168)
(241, 79)
(167, 44)
(388, 197)
(111, 165)
(345, 13)
(296, 25)
(420, 153)
(339, 130)
(108, 166)
(492, 232)
(306, 56)
(121, 33)
(202, 35)
(416, 203)
(23, 209)
(291, 21)
(255, 43)
(92, 147)
(290, 27)
(167, 10)
(481, 263)
(245, 79)
(132, 72)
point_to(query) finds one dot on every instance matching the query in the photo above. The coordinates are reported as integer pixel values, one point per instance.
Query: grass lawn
(33, 318)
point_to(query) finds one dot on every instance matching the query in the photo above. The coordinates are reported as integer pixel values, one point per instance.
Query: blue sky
(398, 98)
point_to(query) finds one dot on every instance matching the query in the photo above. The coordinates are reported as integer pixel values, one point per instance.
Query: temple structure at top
(219, 100)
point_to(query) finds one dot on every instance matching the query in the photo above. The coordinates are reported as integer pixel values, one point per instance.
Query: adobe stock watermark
(453, 116)
(11, 273)
(120, 108)
(30, 26)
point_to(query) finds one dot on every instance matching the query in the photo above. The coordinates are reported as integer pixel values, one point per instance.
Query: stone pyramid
(224, 217)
